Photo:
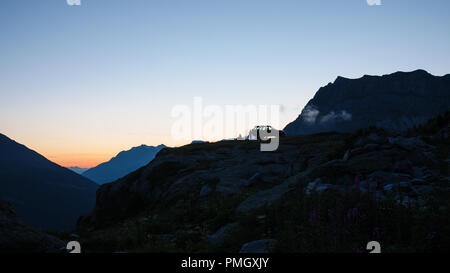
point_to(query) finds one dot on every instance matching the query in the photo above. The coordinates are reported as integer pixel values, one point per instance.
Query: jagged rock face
(16, 237)
(396, 102)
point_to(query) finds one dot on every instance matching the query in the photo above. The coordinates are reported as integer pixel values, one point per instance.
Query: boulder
(412, 143)
(389, 187)
(230, 185)
(220, 235)
(205, 190)
(312, 185)
(269, 196)
(259, 246)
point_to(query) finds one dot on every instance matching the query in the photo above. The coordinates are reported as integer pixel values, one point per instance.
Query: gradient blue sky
(81, 83)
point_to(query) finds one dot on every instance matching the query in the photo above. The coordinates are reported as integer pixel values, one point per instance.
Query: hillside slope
(122, 164)
(45, 195)
(325, 192)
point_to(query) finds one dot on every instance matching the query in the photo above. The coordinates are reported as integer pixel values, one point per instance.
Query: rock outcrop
(373, 162)
(226, 168)
(395, 102)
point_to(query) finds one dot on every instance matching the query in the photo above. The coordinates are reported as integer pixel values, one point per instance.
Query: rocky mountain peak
(395, 102)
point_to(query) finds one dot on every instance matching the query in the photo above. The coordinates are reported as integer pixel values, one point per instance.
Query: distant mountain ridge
(395, 102)
(45, 195)
(78, 170)
(123, 163)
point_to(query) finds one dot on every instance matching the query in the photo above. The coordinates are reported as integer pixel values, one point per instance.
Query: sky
(81, 83)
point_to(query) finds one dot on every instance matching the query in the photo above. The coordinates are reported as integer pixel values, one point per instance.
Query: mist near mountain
(123, 163)
(395, 102)
(78, 170)
(45, 195)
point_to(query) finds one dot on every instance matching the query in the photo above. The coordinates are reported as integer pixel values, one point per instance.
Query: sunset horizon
(100, 87)
(224, 135)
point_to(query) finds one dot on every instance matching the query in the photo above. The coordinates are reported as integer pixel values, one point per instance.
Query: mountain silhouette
(123, 163)
(78, 170)
(45, 195)
(395, 102)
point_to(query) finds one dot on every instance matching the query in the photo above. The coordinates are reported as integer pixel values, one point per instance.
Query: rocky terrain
(396, 102)
(228, 196)
(367, 160)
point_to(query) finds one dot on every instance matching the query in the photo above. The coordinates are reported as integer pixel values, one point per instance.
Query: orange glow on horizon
(87, 159)
(86, 162)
